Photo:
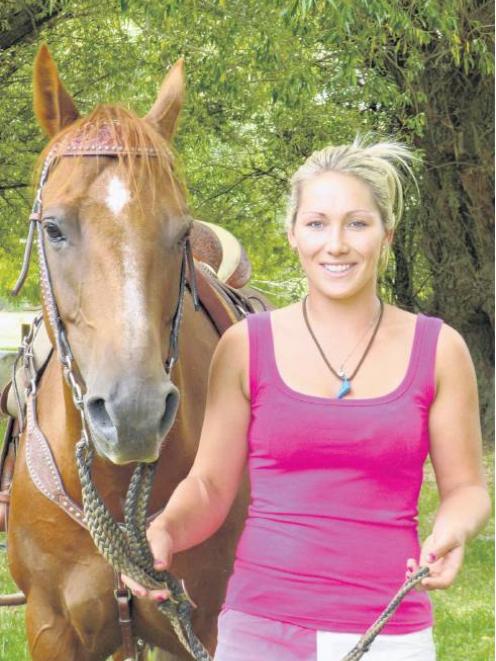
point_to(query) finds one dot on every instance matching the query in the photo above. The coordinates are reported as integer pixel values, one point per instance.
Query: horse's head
(114, 229)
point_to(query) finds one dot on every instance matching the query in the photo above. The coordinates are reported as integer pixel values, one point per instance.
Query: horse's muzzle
(131, 420)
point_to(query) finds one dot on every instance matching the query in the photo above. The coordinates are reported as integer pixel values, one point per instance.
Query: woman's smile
(336, 270)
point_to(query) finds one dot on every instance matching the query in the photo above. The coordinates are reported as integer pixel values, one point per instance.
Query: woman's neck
(343, 316)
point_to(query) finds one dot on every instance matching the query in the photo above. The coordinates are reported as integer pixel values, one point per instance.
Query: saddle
(221, 269)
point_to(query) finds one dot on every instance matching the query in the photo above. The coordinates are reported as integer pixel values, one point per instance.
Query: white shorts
(417, 646)
(243, 637)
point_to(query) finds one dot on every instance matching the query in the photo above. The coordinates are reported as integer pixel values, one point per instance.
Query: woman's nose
(335, 243)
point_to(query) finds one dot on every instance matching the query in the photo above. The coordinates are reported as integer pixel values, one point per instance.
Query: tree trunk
(26, 20)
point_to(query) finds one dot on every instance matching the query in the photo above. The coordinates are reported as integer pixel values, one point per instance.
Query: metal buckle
(188, 596)
(126, 592)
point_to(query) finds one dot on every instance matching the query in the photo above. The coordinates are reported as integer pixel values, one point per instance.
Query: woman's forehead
(336, 190)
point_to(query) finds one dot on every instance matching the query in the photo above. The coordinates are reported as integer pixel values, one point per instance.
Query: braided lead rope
(369, 636)
(135, 510)
(126, 549)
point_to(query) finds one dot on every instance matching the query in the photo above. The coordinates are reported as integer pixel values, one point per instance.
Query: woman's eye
(358, 223)
(315, 224)
(53, 232)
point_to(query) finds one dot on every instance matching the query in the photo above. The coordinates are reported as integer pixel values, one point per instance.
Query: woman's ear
(291, 239)
(389, 238)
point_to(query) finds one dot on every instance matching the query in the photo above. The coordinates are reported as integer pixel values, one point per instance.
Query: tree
(431, 66)
(268, 83)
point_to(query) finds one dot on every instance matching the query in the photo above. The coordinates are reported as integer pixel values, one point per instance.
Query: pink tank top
(334, 494)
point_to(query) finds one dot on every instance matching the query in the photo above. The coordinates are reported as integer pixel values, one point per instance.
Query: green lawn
(464, 614)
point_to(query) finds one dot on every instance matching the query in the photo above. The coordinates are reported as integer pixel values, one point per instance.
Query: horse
(114, 228)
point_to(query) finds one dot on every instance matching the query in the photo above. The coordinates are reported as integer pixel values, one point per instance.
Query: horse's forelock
(140, 147)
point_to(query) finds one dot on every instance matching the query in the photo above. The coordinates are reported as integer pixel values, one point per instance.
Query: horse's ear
(165, 111)
(53, 106)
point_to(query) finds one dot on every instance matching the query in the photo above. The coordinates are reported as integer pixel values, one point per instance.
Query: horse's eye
(53, 232)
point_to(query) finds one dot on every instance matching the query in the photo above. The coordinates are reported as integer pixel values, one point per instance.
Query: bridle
(109, 536)
(104, 146)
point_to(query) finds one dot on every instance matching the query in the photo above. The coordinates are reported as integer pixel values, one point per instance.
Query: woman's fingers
(443, 570)
(161, 547)
(411, 567)
(139, 591)
(159, 595)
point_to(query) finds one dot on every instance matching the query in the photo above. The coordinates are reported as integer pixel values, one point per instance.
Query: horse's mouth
(132, 433)
(119, 453)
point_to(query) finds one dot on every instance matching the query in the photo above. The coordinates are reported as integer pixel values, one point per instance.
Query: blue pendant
(344, 388)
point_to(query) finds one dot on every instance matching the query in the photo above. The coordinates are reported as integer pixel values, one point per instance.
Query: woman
(335, 403)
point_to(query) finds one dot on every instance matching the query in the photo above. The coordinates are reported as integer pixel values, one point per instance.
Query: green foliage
(268, 83)
(259, 100)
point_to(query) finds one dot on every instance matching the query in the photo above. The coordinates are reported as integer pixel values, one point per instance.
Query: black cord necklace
(345, 387)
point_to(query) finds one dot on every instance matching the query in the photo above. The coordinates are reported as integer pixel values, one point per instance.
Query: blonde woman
(334, 403)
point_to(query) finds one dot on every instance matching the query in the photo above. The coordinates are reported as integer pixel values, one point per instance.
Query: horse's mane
(142, 145)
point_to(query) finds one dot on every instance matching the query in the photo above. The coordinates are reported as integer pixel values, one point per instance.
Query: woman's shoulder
(450, 341)
(400, 321)
(398, 317)
(453, 355)
(235, 339)
(286, 316)
(453, 359)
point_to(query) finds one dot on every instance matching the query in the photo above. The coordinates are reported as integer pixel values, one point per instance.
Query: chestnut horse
(114, 228)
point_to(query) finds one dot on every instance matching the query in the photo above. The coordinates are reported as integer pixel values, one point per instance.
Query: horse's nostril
(171, 404)
(98, 414)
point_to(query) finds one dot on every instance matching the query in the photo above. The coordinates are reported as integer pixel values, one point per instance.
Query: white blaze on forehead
(117, 195)
(134, 308)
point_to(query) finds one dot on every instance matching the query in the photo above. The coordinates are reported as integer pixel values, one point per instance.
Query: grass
(12, 637)
(464, 613)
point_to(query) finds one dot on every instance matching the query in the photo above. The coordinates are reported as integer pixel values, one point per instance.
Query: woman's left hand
(443, 554)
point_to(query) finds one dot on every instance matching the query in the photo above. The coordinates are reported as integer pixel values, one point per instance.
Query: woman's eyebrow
(314, 213)
(367, 211)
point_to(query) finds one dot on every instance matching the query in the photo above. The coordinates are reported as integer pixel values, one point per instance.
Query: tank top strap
(425, 348)
(260, 347)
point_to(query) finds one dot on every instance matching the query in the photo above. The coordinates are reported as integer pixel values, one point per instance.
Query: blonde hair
(380, 165)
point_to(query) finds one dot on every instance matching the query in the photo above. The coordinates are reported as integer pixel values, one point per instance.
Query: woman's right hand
(201, 501)
(160, 543)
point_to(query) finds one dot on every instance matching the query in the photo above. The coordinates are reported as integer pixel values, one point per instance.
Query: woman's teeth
(337, 268)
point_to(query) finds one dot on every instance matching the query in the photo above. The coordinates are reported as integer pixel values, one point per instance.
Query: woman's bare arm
(456, 454)
(201, 502)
